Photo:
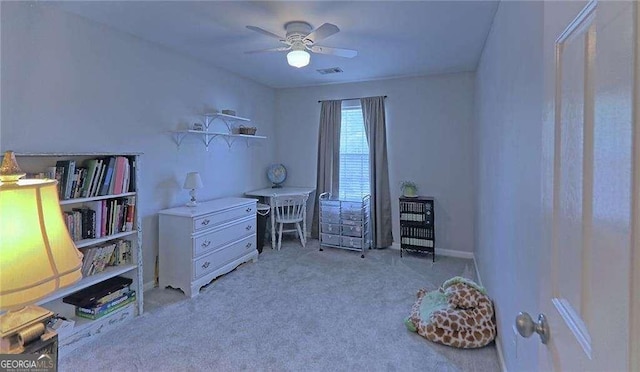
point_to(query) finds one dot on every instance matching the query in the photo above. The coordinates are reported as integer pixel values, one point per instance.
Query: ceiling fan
(300, 39)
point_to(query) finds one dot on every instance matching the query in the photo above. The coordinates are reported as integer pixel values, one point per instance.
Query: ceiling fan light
(298, 58)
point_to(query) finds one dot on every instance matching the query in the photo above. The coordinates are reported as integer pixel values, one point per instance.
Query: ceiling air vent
(331, 70)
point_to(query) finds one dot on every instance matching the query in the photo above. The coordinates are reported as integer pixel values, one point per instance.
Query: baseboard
(503, 365)
(149, 285)
(475, 264)
(444, 252)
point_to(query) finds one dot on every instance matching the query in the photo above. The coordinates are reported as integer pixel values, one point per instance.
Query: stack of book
(103, 298)
(98, 177)
(101, 218)
(112, 253)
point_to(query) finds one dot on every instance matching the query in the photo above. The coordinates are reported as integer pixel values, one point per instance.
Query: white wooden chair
(290, 209)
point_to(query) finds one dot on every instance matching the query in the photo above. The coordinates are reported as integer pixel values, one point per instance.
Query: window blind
(354, 155)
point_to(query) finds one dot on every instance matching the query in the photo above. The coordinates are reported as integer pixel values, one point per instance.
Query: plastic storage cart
(345, 223)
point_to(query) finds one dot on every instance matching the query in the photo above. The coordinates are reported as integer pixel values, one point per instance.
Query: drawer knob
(248, 227)
(205, 243)
(205, 222)
(249, 209)
(248, 245)
(206, 264)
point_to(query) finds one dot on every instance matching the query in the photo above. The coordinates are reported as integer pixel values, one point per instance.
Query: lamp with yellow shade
(37, 254)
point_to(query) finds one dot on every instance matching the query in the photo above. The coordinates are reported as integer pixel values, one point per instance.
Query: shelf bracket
(207, 140)
(208, 120)
(178, 137)
(228, 140)
(227, 124)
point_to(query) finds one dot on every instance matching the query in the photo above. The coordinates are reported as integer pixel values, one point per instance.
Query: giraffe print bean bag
(459, 314)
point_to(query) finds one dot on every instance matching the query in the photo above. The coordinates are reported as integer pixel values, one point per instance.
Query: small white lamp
(193, 182)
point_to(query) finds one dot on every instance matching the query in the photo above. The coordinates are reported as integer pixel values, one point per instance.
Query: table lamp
(193, 182)
(37, 254)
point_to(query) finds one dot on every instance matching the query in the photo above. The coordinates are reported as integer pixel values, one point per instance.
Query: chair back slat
(289, 208)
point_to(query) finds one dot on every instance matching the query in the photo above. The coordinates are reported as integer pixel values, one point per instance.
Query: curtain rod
(346, 99)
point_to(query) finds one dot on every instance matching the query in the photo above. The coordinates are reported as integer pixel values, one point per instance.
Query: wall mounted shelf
(207, 137)
(231, 123)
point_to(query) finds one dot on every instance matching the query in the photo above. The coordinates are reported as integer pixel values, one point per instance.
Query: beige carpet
(297, 309)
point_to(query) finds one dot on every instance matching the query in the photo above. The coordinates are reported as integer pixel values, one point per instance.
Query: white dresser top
(209, 206)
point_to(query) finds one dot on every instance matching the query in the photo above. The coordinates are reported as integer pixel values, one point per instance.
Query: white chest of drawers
(198, 244)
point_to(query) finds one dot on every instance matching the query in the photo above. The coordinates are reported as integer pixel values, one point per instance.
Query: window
(354, 155)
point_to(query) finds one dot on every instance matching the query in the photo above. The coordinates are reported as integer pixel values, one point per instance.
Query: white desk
(269, 192)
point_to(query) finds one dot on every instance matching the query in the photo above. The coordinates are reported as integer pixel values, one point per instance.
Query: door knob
(526, 326)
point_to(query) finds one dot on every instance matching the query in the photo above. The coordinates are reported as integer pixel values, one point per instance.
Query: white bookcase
(85, 330)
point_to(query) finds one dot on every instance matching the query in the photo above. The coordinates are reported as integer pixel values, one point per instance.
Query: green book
(104, 309)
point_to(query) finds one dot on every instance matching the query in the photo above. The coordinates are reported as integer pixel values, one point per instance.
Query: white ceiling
(393, 38)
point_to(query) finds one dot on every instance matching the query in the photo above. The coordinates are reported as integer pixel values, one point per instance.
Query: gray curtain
(376, 129)
(328, 156)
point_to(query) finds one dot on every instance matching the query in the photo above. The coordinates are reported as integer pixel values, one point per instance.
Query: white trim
(497, 340)
(149, 285)
(634, 320)
(477, 271)
(575, 324)
(503, 365)
(444, 252)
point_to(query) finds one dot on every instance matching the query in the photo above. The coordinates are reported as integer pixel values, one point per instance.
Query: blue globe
(277, 173)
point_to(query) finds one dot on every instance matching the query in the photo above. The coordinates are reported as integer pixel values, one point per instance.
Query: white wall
(73, 85)
(429, 134)
(509, 96)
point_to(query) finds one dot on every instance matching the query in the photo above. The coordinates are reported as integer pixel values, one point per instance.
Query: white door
(589, 184)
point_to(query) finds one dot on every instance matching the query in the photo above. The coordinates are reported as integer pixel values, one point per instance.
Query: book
(105, 217)
(131, 210)
(104, 309)
(66, 168)
(119, 175)
(104, 258)
(122, 253)
(74, 183)
(82, 179)
(127, 176)
(91, 165)
(86, 231)
(59, 176)
(89, 296)
(88, 260)
(111, 208)
(106, 183)
(112, 296)
(132, 173)
(122, 206)
(96, 207)
(97, 258)
(71, 172)
(95, 188)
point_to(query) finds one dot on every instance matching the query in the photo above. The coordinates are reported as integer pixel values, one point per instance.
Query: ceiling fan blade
(265, 32)
(347, 53)
(278, 49)
(322, 32)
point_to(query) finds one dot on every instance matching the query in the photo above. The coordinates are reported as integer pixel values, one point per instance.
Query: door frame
(634, 342)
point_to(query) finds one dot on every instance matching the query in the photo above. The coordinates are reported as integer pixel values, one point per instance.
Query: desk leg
(273, 227)
(304, 224)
